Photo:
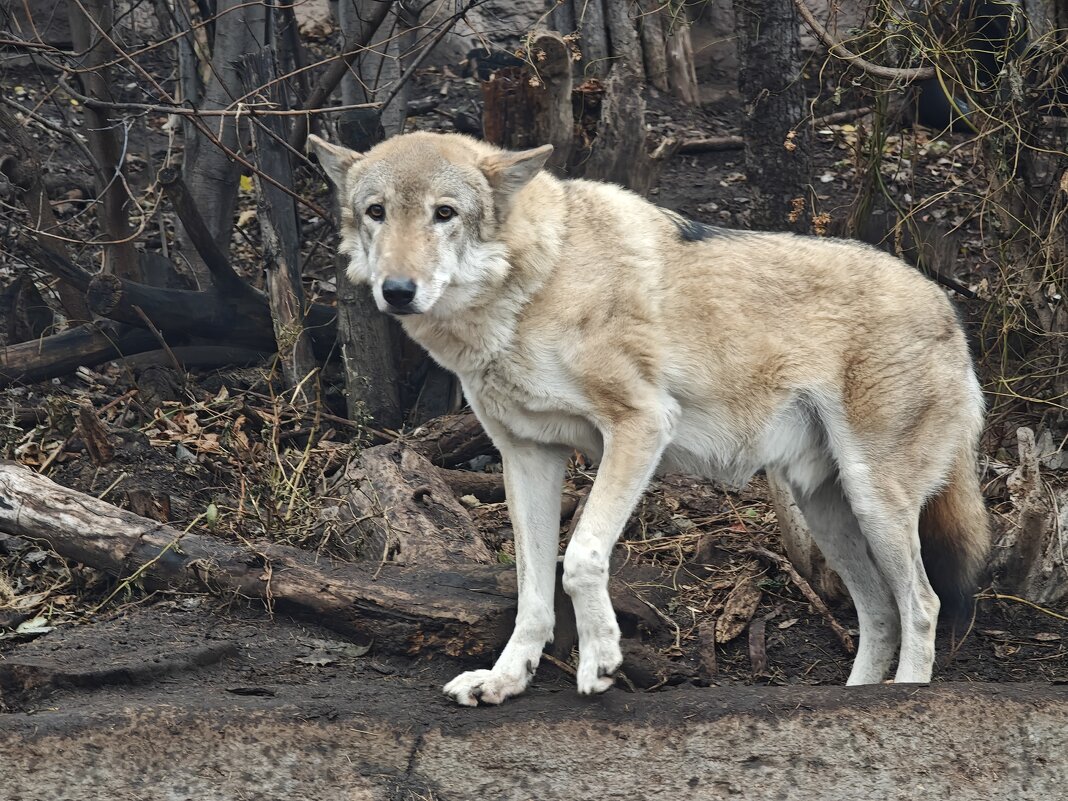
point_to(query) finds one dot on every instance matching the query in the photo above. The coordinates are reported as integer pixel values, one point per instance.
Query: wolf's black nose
(398, 293)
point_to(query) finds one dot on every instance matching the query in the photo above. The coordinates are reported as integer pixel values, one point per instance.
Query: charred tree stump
(1029, 558)
(682, 74)
(529, 106)
(94, 434)
(617, 148)
(590, 22)
(398, 510)
(654, 45)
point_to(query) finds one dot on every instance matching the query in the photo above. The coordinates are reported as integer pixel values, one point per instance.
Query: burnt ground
(224, 441)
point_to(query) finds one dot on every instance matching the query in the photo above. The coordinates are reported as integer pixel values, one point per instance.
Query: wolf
(577, 315)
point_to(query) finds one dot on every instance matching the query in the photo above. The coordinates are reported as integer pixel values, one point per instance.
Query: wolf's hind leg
(838, 534)
(533, 479)
(893, 539)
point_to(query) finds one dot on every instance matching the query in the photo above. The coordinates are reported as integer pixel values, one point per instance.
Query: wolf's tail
(955, 539)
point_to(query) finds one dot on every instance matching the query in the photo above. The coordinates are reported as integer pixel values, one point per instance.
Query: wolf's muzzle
(399, 294)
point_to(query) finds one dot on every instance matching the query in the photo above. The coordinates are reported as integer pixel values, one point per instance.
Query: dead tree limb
(63, 353)
(462, 609)
(222, 273)
(335, 72)
(838, 49)
(240, 317)
(451, 440)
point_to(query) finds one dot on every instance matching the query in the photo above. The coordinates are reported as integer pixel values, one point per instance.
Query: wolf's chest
(539, 405)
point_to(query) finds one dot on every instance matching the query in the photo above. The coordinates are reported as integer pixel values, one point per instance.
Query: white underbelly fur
(705, 445)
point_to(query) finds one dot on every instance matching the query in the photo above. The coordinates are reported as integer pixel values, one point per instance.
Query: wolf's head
(420, 215)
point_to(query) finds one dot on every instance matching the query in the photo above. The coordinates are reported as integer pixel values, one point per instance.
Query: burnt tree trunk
(279, 225)
(105, 135)
(618, 152)
(366, 337)
(376, 70)
(212, 177)
(777, 154)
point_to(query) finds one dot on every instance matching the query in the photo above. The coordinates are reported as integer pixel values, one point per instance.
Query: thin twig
(997, 596)
(807, 591)
(156, 333)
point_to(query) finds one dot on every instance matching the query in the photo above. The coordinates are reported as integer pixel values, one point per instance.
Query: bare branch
(905, 75)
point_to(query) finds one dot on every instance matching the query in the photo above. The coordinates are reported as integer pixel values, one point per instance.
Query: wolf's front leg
(533, 482)
(632, 452)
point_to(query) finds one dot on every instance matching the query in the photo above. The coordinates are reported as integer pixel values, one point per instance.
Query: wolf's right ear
(335, 160)
(509, 171)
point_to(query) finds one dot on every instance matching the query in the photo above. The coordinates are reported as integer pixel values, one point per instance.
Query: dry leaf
(738, 609)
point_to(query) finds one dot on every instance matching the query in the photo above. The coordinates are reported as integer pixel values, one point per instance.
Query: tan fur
(833, 363)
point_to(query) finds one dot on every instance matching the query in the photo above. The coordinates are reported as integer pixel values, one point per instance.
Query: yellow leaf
(246, 183)
(245, 217)
(849, 127)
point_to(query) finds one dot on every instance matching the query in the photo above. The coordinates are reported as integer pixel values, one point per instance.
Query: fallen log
(451, 440)
(458, 609)
(487, 487)
(63, 353)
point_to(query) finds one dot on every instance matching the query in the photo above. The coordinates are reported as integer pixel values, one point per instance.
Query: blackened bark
(777, 153)
(366, 339)
(105, 135)
(279, 225)
(212, 177)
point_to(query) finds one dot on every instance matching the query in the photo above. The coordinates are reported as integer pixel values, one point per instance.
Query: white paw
(487, 686)
(599, 659)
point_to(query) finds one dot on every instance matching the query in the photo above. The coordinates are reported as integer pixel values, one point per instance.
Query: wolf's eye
(444, 213)
(377, 212)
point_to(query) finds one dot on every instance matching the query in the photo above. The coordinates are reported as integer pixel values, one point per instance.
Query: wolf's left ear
(335, 160)
(509, 171)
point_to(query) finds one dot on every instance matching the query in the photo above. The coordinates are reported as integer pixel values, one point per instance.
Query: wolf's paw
(598, 662)
(486, 686)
